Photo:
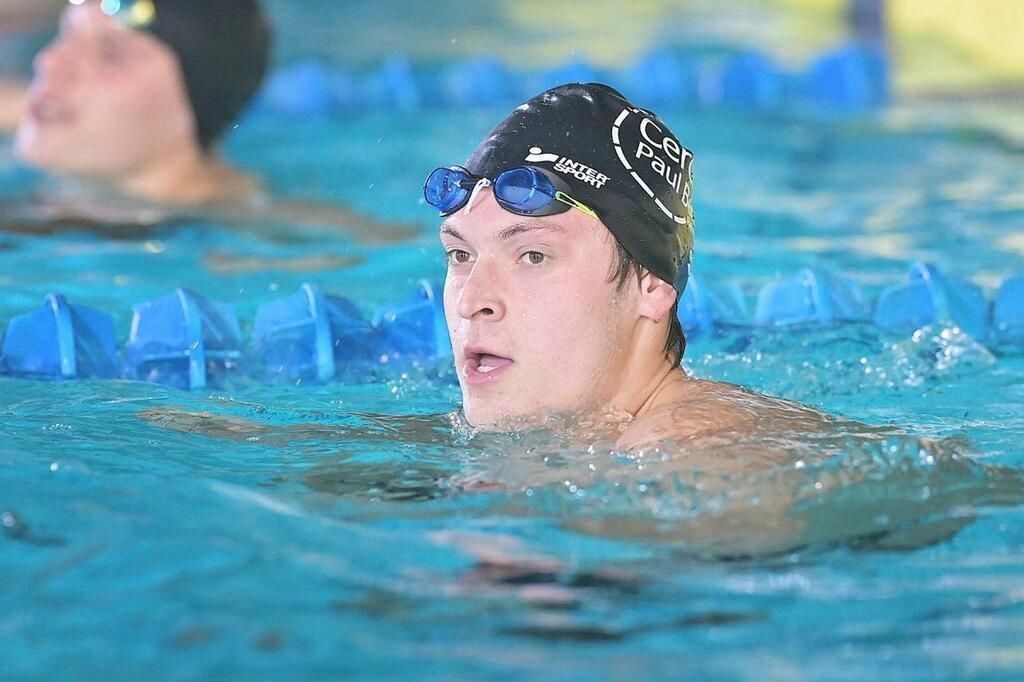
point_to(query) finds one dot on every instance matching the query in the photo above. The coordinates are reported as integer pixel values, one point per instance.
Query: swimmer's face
(106, 101)
(536, 323)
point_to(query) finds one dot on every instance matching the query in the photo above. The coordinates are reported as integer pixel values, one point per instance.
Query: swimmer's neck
(673, 384)
(667, 384)
(647, 377)
(187, 177)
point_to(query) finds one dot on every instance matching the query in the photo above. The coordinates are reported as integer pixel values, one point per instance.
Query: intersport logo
(567, 166)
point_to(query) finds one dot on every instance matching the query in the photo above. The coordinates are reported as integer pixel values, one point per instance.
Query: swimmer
(132, 100)
(569, 235)
(21, 22)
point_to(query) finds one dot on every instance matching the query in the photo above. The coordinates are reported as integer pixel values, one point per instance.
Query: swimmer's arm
(762, 530)
(47, 220)
(228, 263)
(275, 224)
(306, 213)
(430, 429)
(12, 102)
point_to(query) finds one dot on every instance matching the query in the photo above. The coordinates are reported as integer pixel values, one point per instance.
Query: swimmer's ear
(656, 297)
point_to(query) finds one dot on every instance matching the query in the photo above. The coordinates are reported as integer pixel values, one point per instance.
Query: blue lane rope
(65, 335)
(847, 79)
(178, 338)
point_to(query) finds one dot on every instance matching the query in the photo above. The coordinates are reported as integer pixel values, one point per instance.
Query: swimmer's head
(564, 278)
(223, 47)
(125, 83)
(620, 160)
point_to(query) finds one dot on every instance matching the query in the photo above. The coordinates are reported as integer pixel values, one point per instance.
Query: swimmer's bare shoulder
(702, 411)
(428, 428)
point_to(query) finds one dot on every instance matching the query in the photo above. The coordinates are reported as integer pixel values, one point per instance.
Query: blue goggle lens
(525, 190)
(444, 189)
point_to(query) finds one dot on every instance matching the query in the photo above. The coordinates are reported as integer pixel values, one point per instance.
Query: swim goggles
(523, 190)
(129, 13)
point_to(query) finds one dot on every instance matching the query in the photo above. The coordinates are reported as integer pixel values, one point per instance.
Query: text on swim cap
(564, 164)
(672, 170)
(645, 149)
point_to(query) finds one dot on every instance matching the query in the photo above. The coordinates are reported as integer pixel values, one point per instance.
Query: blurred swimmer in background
(24, 24)
(130, 100)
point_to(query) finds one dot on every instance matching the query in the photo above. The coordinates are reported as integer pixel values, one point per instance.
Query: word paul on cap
(666, 157)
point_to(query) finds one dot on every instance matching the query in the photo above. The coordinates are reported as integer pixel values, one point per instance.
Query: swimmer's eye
(458, 256)
(535, 257)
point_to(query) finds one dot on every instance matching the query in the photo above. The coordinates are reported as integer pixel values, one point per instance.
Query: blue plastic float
(182, 340)
(60, 341)
(477, 82)
(310, 335)
(660, 78)
(749, 80)
(1008, 313)
(811, 296)
(393, 86)
(929, 298)
(846, 79)
(300, 89)
(849, 78)
(706, 305)
(415, 329)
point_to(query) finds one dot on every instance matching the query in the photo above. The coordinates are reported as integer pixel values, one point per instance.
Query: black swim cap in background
(619, 160)
(224, 48)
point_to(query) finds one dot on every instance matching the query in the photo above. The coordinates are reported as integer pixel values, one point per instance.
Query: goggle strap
(566, 199)
(481, 183)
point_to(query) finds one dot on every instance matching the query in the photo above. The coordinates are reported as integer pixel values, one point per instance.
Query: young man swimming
(137, 97)
(132, 98)
(569, 235)
(21, 24)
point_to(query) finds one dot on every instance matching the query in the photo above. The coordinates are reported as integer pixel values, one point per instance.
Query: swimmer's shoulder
(699, 410)
(694, 409)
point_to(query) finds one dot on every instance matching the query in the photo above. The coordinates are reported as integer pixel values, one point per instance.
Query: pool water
(353, 529)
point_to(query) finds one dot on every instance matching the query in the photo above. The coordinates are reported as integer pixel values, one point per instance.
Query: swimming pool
(308, 534)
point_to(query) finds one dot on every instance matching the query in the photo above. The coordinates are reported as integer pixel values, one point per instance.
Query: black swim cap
(223, 47)
(619, 160)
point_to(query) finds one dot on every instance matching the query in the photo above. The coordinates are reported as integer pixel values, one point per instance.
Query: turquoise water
(262, 531)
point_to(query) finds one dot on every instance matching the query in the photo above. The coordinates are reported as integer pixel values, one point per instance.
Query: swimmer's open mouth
(483, 366)
(46, 109)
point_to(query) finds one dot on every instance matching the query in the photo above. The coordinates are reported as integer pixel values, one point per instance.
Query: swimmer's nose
(480, 296)
(55, 60)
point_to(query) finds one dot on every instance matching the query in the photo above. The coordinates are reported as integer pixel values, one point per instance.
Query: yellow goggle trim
(129, 13)
(566, 199)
